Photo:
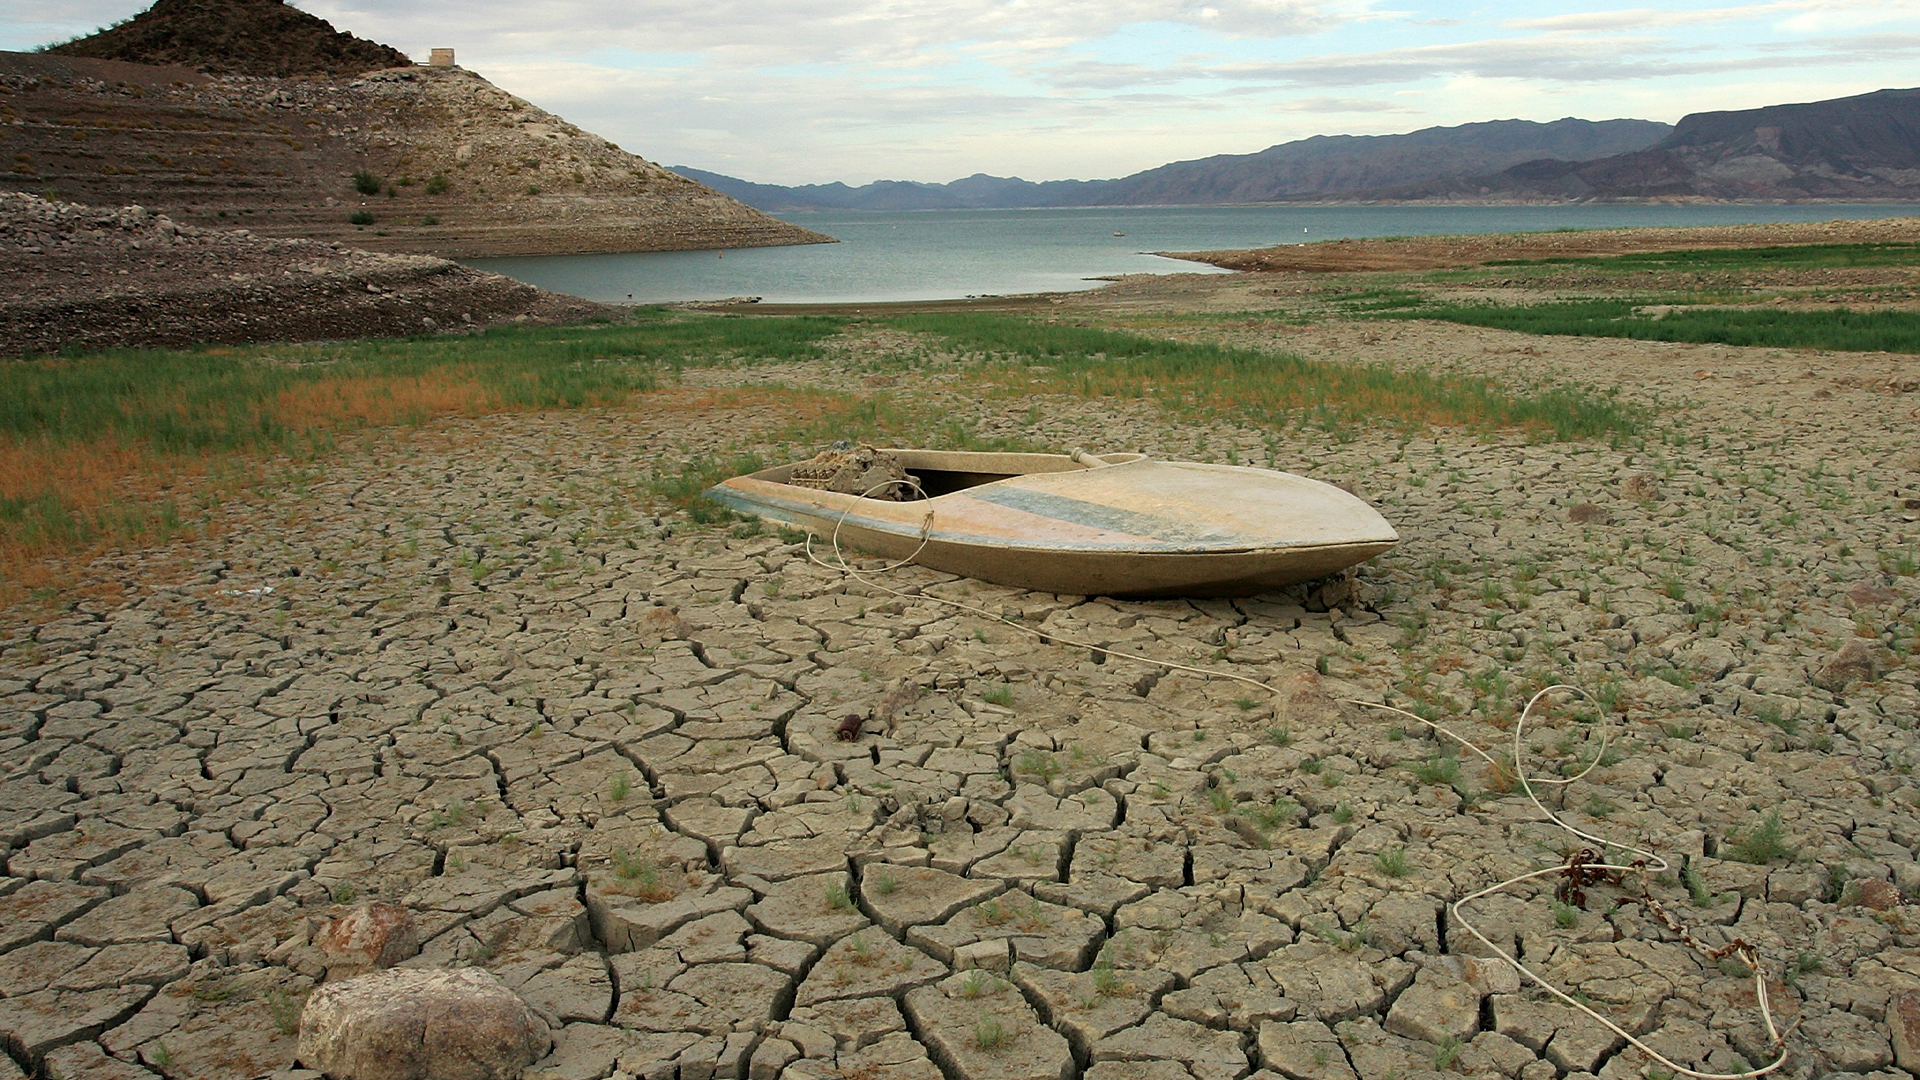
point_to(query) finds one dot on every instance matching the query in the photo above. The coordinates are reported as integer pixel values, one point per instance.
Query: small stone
(771, 1056)
(371, 936)
(1876, 894)
(986, 955)
(1868, 594)
(1857, 661)
(1903, 1017)
(420, 1025)
(1641, 487)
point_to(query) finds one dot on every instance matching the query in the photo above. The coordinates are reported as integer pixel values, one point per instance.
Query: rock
(1641, 487)
(771, 1056)
(1875, 894)
(371, 936)
(1868, 594)
(1857, 661)
(1903, 1022)
(420, 1025)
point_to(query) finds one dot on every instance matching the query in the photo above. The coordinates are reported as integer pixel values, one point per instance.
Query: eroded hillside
(416, 159)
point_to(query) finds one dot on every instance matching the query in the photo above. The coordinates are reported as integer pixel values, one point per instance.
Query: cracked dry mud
(594, 752)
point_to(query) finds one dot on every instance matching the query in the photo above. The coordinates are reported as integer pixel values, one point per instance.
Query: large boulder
(407, 1024)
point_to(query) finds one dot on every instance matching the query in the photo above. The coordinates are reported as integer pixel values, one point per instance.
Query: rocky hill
(1862, 147)
(419, 159)
(235, 37)
(1324, 167)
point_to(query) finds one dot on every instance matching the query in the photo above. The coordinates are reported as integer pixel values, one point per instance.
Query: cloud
(1649, 18)
(819, 31)
(1338, 105)
(1560, 59)
(1805, 16)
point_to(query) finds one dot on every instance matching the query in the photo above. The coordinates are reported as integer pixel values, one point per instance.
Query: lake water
(947, 254)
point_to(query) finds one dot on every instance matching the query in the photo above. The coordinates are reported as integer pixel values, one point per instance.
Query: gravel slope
(86, 278)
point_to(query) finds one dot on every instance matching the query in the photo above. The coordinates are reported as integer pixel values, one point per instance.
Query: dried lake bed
(591, 747)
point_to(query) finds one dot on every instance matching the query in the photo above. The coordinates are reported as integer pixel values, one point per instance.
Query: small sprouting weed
(1220, 799)
(1392, 863)
(1565, 915)
(1765, 842)
(621, 787)
(990, 1034)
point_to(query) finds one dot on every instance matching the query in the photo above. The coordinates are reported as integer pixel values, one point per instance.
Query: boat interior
(942, 472)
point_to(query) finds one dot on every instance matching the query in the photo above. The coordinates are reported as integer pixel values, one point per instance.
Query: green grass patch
(1650, 319)
(1267, 388)
(1780, 257)
(256, 397)
(90, 445)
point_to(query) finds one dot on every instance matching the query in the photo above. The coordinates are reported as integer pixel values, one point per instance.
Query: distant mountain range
(1320, 167)
(1864, 147)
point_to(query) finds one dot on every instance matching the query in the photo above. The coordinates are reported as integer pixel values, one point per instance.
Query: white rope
(1651, 862)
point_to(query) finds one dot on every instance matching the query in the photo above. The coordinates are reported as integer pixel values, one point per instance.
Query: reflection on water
(946, 254)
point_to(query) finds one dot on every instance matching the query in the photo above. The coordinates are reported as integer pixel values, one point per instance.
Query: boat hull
(1053, 524)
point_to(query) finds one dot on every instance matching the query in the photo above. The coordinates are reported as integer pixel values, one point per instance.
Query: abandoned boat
(1118, 525)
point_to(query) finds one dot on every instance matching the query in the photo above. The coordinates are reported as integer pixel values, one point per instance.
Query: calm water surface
(945, 254)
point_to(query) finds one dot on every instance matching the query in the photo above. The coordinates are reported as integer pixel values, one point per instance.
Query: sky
(812, 91)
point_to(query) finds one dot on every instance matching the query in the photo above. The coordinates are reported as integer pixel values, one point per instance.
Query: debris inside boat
(1077, 524)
